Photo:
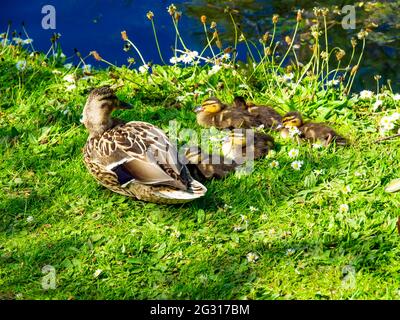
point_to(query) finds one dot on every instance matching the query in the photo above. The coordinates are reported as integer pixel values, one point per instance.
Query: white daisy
(274, 164)
(215, 68)
(293, 153)
(333, 82)
(70, 87)
(344, 208)
(175, 60)
(290, 252)
(296, 165)
(317, 145)
(27, 41)
(252, 257)
(29, 219)
(226, 56)
(395, 116)
(69, 78)
(396, 97)
(377, 104)
(97, 273)
(252, 209)
(366, 94)
(144, 68)
(294, 131)
(20, 65)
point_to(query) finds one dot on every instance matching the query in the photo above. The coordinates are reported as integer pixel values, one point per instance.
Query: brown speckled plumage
(135, 159)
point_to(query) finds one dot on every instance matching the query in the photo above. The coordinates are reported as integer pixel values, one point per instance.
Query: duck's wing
(140, 152)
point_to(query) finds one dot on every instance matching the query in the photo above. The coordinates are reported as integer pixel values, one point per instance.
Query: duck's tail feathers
(195, 190)
(393, 186)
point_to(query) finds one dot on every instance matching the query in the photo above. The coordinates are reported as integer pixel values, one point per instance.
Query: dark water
(96, 25)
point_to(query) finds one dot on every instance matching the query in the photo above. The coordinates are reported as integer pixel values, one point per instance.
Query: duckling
(135, 159)
(268, 116)
(205, 166)
(310, 131)
(213, 113)
(243, 145)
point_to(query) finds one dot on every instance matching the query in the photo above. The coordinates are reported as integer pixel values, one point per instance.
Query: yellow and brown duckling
(313, 132)
(242, 145)
(135, 159)
(214, 113)
(205, 166)
(268, 116)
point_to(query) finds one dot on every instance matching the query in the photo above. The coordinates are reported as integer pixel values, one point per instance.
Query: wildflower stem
(178, 34)
(156, 38)
(27, 36)
(290, 46)
(326, 45)
(137, 50)
(208, 41)
(236, 36)
(358, 64)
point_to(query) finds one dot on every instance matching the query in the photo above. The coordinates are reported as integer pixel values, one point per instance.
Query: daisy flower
(296, 165)
(20, 65)
(29, 219)
(317, 145)
(252, 209)
(97, 273)
(344, 208)
(294, 131)
(395, 116)
(366, 94)
(252, 257)
(144, 68)
(293, 153)
(214, 69)
(378, 103)
(396, 97)
(70, 78)
(274, 164)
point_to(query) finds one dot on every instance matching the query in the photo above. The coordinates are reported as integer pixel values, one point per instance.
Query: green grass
(52, 212)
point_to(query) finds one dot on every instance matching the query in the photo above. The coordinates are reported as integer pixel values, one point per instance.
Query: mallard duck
(243, 145)
(310, 131)
(205, 166)
(213, 113)
(268, 116)
(134, 159)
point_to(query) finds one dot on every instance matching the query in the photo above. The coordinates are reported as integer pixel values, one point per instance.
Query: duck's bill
(198, 109)
(124, 105)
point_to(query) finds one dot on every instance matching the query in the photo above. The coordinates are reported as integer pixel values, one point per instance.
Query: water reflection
(97, 25)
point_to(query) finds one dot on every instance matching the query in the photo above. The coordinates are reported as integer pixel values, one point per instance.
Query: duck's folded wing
(142, 153)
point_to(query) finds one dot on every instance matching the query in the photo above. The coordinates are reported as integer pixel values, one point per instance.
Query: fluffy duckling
(313, 132)
(243, 145)
(268, 116)
(205, 166)
(135, 159)
(213, 113)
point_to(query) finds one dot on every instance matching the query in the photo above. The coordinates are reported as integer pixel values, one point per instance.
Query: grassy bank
(326, 231)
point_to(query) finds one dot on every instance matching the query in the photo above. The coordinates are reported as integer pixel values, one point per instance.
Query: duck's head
(98, 108)
(292, 119)
(239, 102)
(210, 105)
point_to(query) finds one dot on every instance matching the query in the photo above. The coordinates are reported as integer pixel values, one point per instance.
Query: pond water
(96, 25)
